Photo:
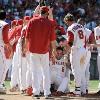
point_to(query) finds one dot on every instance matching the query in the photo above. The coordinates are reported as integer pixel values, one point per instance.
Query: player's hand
(53, 56)
(53, 59)
(24, 50)
(9, 49)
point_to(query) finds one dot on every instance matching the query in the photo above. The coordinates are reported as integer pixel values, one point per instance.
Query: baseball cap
(44, 9)
(27, 18)
(69, 17)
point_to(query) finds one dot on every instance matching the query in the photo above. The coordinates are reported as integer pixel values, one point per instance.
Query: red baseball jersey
(40, 32)
(15, 35)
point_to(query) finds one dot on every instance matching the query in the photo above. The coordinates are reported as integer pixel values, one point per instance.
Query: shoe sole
(2, 92)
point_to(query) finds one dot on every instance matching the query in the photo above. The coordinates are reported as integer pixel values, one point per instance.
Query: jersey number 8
(80, 33)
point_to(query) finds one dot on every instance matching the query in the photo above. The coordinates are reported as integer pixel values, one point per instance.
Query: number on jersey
(62, 69)
(80, 33)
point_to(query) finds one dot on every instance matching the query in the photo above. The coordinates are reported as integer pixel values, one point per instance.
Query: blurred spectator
(89, 9)
(91, 25)
(28, 12)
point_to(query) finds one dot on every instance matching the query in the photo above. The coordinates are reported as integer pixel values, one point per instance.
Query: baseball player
(97, 39)
(28, 73)
(9, 58)
(22, 57)
(4, 29)
(76, 42)
(90, 40)
(60, 73)
(15, 35)
(40, 34)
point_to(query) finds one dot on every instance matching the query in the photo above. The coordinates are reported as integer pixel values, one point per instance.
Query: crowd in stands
(88, 9)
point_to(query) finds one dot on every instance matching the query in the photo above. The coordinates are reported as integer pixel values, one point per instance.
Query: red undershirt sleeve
(70, 38)
(5, 33)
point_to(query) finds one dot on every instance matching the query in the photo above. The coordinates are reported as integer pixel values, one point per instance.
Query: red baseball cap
(14, 22)
(20, 22)
(44, 8)
(27, 18)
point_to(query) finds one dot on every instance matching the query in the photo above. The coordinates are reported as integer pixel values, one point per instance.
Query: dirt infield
(18, 96)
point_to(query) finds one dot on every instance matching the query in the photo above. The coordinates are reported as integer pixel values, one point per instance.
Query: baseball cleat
(97, 94)
(36, 97)
(14, 89)
(48, 96)
(58, 93)
(23, 91)
(2, 89)
(29, 91)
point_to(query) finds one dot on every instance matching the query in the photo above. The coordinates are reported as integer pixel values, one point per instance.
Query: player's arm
(6, 40)
(67, 61)
(70, 39)
(53, 48)
(27, 36)
(53, 43)
(5, 34)
(94, 45)
(93, 41)
(92, 38)
(37, 10)
(50, 13)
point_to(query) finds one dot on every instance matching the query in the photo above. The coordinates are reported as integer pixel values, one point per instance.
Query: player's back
(79, 34)
(41, 32)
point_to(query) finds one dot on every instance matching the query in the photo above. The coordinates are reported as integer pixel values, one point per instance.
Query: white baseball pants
(3, 66)
(87, 72)
(78, 69)
(61, 83)
(28, 72)
(15, 71)
(40, 64)
(98, 63)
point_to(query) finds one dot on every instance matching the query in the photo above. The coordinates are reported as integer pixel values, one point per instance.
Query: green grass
(7, 84)
(93, 85)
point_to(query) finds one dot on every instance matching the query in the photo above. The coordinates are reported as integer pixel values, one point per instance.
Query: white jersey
(2, 24)
(88, 33)
(97, 36)
(79, 34)
(59, 68)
